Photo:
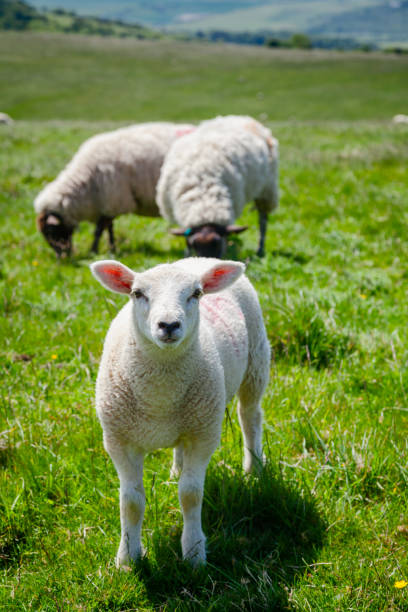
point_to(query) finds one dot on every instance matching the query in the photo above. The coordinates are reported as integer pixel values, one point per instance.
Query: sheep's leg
(129, 466)
(177, 461)
(111, 236)
(191, 487)
(102, 224)
(263, 222)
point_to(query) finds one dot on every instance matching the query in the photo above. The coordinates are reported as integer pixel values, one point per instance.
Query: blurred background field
(59, 76)
(326, 526)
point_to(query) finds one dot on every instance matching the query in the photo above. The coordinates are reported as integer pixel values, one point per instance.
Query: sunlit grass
(325, 527)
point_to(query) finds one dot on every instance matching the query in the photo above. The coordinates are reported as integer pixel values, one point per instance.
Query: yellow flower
(35, 262)
(54, 356)
(363, 296)
(401, 584)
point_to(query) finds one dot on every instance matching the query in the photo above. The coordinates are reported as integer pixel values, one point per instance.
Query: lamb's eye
(197, 294)
(139, 294)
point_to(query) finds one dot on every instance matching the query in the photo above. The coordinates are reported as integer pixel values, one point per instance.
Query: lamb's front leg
(177, 461)
(191, 488)
(129, 466)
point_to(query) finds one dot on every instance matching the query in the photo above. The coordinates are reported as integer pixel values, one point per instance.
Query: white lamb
(111, 174)
(207, 179)
(191, 336)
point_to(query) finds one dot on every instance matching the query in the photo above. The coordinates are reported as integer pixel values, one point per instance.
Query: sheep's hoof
(254, 465)
(260, 252)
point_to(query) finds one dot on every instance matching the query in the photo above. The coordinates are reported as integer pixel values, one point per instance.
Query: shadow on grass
(125, 249)
(295, 257)
(261, 533)
(12, 544)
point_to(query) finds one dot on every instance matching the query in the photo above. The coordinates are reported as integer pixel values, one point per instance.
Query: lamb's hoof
(125, 562)
(254, 465)
(196, 561)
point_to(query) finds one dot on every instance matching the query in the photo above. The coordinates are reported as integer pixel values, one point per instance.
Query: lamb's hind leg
(251, 418)
(250, 412)
(129, 466)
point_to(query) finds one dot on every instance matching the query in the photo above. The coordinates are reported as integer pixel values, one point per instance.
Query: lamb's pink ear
(221, 275)
(113, 275)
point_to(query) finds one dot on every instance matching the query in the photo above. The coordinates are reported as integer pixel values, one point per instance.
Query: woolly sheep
(111, 174)
(6, 119)
(207, 179)
(189, 339)
(400, 118)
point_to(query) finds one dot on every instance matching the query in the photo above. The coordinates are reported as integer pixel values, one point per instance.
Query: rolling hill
(375, 20)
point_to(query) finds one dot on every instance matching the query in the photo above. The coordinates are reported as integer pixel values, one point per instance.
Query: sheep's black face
(208, 241)
(57, 234)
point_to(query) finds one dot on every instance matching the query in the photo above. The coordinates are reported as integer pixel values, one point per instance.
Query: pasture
(326, 525)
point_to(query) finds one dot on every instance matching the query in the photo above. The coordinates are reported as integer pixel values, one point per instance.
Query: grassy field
(326, 525)
(73, 77)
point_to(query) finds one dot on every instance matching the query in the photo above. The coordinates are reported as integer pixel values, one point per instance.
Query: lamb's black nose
(168, 328)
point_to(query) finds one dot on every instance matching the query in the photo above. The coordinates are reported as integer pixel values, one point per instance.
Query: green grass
(325, 528)
(52, 76)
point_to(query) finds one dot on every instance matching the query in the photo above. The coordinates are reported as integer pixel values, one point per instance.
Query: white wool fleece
(112, 174)
(189, 339)
(211, 174)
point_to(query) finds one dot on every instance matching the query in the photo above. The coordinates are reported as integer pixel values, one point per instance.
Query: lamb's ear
(221, 275)
(236, 229)
(113, 275)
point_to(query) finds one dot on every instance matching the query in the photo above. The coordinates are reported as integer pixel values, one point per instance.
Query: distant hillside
(374, 20)
(18, 15)
(154, 12)
(383, 22)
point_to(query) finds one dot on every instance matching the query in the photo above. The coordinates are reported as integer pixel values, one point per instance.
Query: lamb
(189, 339)
(111, 174)
(207, 179)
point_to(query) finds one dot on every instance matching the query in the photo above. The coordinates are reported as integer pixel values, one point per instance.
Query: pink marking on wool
(184, 131)
(214, 316)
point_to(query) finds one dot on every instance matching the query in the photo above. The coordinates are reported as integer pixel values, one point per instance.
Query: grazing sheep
(6, 119)
(207, 179)
(111, 174)
(190, 337)
(400, 119)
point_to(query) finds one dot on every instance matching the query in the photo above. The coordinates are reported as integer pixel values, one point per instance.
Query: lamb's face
(165, 305)
(165, 299)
